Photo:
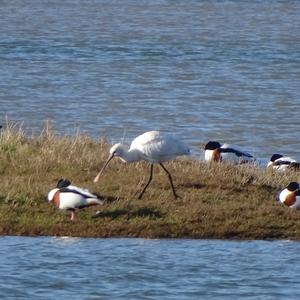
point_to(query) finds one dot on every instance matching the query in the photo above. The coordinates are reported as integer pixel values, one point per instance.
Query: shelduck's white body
(282, 163)
(214, 151)
(72, 197)
(290, 196)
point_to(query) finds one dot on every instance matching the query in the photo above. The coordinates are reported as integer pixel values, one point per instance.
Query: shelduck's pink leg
(72, 215)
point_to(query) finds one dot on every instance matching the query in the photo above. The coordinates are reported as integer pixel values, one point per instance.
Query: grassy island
(216, 200)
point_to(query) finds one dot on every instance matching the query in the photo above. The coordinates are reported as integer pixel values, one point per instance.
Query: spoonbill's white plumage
(282, 163)
(214, 151)
(69, 197)
(290, 196)
(154, 147)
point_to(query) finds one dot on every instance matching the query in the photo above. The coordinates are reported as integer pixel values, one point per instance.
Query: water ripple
(207, 70)
(49, 268)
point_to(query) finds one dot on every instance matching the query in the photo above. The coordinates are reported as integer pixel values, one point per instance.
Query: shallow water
(221, 69)
(65, 268)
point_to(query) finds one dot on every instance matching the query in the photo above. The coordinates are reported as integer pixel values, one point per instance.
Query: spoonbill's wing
(157, 147)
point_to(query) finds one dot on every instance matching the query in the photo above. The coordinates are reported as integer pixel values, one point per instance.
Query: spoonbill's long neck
(130, 155)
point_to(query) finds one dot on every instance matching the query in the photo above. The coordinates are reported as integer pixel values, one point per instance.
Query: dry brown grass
(216, 201)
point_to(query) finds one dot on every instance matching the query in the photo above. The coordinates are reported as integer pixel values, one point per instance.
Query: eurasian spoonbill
(154, 147)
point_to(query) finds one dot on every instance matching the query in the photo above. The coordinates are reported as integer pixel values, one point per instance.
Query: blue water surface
(204, 70)
(75, 268)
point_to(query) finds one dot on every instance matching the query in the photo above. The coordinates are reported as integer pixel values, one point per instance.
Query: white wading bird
(214, 151)
(283, 163)
(69, 197)
(290, 196)
(153, 147)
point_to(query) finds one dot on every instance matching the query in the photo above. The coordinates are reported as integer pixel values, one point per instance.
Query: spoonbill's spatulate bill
(152, 146)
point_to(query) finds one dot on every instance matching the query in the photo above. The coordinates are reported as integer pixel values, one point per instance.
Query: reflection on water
(64, 268)
(223, 70)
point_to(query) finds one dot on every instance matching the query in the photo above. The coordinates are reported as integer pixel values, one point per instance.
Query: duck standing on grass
(69, 197)
(282, 163)
(290, 196)
(214, 151)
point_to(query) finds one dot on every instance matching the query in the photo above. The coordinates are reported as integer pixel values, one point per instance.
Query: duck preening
(69, 197)
(282, 163)
(214, 151)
